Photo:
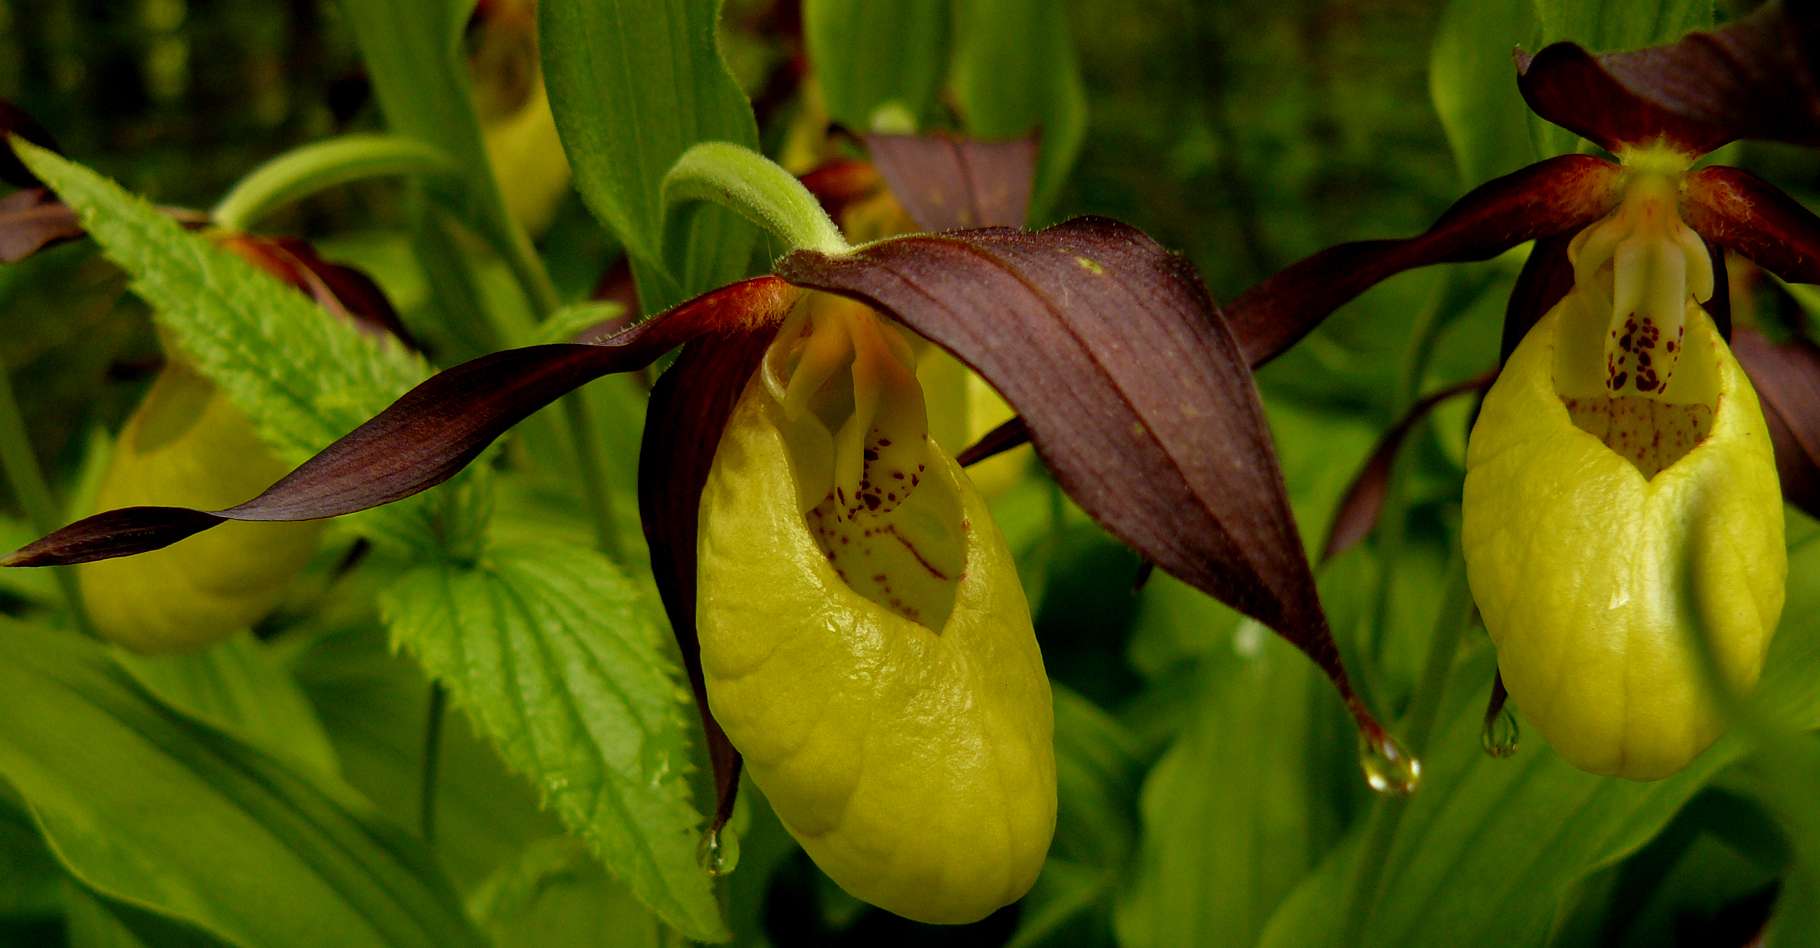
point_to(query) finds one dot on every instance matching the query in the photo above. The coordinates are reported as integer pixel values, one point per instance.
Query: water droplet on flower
(1389, 769)
(719, 851)
(1500, 735)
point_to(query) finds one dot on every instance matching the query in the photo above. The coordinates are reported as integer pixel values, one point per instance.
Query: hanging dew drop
(1501, 732)
(718, 852)
(1389, 769)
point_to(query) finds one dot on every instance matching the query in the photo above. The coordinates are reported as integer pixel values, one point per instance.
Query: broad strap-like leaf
(1745, 214)
(559, 661)
(1755, 78)
(32, 219)
(145, 804)
(869, 56)
(1134, 392)
(1016, 74)
(689, 408)
(946, 183)
(634, 84)
(1556, 196)
(1787, 379)
(1363, 501)
(426, 436)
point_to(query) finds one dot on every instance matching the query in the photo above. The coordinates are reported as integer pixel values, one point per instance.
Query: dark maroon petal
(615, 286)
(429, 434)
(689, 408)
(1133, 390)
(16, 121)
(1012, 433)
(1556, 196)
(947, 183)
(350, 290)
(32, 219)
(1751, 217)
(1364, 499)
(1787, 379)
(1719, 307)
(1546, 278)
(842, 181)
(1750, 79)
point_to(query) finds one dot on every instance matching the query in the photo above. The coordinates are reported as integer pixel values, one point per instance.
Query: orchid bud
(185, 444)
(1622, 499)
(864, 637)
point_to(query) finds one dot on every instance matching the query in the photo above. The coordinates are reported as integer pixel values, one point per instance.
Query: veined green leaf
(94, 921)
(558, 895)
(633, 84)
(303, 377)
(1238, 809)
(1519, 833)
(149, 806)
(869, 55)
(1014, 71)
(560, 661)
(236, 686)
(375, 705)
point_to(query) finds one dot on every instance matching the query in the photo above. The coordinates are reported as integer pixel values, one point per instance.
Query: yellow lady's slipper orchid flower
(1621, 498)
(186, 444)
(864, 636)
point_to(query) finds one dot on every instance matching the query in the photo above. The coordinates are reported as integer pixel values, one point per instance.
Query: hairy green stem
(1387, 811)
(758, 189)
(34, 494)
(319, 166)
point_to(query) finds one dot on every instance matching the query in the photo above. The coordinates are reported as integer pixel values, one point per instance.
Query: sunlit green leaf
(558, 895)
(560, 661)
(147, 805)
(1473, 83)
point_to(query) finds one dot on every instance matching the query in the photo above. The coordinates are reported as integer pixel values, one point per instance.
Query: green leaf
(374, 704)
(94, 921)
(1015, 72)
(149, 806)
(1473, 84)
(303, 377)
(1238, 808)
(236, 686)
(1519, 833)
(870, 55)
(560, 661)
(557, 895)
(633, 84)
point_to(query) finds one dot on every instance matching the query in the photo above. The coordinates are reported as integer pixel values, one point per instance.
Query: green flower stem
(322, 165)
(432, 760)
(1425, 706)
(758, 189)
(590, 464)
(34, 494)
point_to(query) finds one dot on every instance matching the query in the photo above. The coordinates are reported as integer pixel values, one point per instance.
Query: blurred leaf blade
(869, 56)
(1015, 71)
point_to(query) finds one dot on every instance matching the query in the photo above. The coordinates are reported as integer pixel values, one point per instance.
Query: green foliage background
(1208, 777)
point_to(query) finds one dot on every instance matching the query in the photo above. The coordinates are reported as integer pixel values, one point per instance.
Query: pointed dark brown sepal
(1363, 501)
(430, 433)
(32, 219)
(1751, 217)
(1750, 79)
(947, 183)
(1556, 196)
(1012, 433)
(689, 408)
(839, 183)
(1133, 391)
(338, 288)
(1787, 378)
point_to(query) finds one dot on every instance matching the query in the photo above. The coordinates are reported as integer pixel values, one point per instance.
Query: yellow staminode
(864, 635)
